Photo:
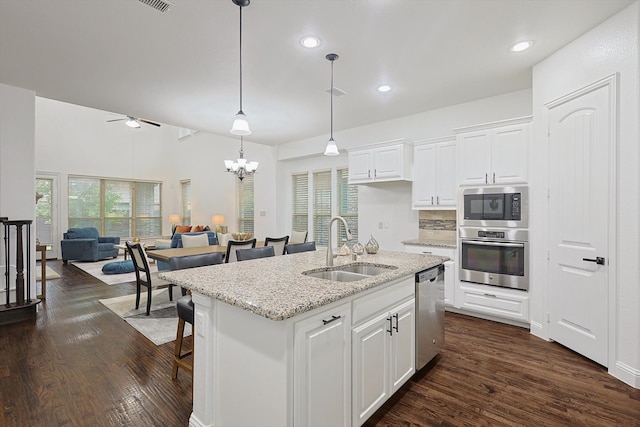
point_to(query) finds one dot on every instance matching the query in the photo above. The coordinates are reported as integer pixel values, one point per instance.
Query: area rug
(95, 269)
(162, 323)
(50, 274)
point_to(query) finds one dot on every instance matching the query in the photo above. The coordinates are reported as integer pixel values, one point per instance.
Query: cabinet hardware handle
(431, 199)
(490, 295)
(369, 173)
(396, 327)
(375, 173)
(427, 252)
(390, 330)
(333, 319)
(438, 199)
(599, 260)
(486, 178)
(494, 177)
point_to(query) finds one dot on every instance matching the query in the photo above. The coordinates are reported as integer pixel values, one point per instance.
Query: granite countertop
(275, 287)
(419, 242)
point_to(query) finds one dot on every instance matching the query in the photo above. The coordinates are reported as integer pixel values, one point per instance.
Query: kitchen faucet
(330, 255)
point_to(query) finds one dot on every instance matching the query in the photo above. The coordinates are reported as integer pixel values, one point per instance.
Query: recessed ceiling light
(384, 88)
(521, 46)
(310, 42)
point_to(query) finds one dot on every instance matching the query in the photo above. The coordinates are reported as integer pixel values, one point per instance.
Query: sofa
(85, 244)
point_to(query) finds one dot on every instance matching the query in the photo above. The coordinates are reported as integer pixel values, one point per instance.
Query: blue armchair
(176, 242)
(85, 244)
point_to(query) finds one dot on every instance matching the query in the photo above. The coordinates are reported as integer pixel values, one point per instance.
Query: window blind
(321, 206)
(300, 202)
(347, 206)
(245, 205)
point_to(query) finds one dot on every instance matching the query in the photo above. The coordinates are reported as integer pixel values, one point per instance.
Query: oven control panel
(491, 234)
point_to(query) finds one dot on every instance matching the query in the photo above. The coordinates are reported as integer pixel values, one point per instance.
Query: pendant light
(241, 167)
(240, 124)
(332, 148)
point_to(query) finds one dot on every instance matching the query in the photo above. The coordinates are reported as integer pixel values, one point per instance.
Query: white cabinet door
(499, 303)
(370, 366)
(402, 344)
(388, 162)
(447, 182)
(322, 370)
(474, 150)
(360, 166)
(424, 175)
(509, 154)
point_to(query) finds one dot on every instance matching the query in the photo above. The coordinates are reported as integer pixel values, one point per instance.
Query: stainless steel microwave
(494, 207)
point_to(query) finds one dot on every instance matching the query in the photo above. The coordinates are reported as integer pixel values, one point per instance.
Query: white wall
(390, 203)
(17, 176)
(76, 140)
(610, 48)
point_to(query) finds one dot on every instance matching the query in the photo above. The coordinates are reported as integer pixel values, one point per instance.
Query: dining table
(166, 254)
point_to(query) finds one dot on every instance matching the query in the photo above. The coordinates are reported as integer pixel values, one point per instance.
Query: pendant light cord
(331, 99)
(240, 58)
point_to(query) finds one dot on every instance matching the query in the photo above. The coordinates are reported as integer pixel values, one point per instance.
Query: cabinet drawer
(499, 302)
(431, 250)
(375, 302)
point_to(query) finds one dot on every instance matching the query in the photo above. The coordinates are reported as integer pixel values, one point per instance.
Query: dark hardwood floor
(79, 364)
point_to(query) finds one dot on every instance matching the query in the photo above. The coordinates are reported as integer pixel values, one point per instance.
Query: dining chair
(278, 243)
(294, 248)
(233, 245)
(255, 253)
(298, 236)
(144, 277)
(184, 306)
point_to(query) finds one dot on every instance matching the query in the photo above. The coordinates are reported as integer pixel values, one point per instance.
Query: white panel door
(580, 130)
(387, 162)
(360, 165)
(403, 347)
(474, 159)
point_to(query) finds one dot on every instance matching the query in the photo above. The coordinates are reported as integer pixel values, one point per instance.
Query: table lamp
(174, 219)
(218, 221)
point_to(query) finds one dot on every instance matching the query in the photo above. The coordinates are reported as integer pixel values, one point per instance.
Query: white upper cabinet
(387, 161)
(434, 174)
(494, 153)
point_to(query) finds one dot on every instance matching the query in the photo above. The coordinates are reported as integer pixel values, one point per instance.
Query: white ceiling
(181, 67)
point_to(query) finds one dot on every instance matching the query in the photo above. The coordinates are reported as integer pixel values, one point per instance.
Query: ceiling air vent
(160, 5)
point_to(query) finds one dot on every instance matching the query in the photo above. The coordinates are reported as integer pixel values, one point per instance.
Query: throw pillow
(197, 229)
(195, 241)
(183, 228)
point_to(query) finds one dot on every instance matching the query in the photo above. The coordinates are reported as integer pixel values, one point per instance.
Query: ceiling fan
(134, 122)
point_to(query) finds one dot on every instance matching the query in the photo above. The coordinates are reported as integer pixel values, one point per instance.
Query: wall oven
(494, 256)
(494, 207)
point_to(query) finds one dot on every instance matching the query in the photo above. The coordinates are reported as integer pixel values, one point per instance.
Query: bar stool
(185, 315)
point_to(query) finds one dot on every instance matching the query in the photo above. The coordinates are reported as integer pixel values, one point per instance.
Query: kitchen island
(273, 346)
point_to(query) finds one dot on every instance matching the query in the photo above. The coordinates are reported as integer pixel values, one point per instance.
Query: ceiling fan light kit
(332, 148)
(134, 122)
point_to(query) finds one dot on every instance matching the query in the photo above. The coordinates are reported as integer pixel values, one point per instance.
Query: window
(116, 207)
(347, 206)
(321, 206)
(185, 187)
(300, 205)
(245, 205)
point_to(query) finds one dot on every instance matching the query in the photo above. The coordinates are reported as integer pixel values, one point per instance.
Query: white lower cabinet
(495, 302)
(323, 369)
(383, 358)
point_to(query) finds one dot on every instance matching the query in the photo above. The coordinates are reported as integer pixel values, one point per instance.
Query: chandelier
(241, 167)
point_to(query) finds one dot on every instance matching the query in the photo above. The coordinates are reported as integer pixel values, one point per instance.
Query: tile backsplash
(437, 226)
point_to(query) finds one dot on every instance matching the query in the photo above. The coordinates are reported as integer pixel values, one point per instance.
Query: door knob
(599, 260)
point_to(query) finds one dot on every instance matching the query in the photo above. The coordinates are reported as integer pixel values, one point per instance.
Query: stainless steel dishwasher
(429, 314)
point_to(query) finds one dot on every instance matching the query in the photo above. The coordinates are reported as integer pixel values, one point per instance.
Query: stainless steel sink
(349, 272)
(366, 269)
(336, 275)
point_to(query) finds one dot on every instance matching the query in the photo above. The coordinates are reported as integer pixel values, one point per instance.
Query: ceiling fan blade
(149, 123)
(115, 120)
